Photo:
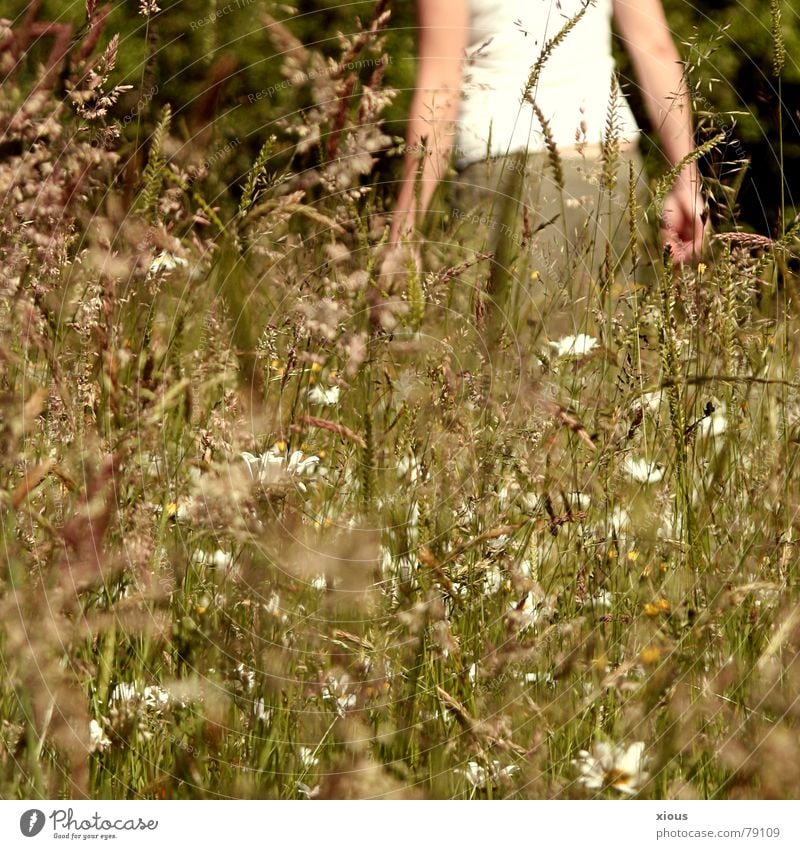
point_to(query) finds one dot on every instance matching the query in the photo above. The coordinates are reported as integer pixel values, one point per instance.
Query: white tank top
(505, 40)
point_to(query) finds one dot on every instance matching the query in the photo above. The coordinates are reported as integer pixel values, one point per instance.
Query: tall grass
(258, 544)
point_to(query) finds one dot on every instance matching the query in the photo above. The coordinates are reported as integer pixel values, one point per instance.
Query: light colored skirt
(565, 254)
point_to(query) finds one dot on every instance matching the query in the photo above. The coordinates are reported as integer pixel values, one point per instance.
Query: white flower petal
(574, 346)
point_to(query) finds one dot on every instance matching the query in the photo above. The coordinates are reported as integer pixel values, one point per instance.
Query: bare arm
(645, 33)
(444, 25)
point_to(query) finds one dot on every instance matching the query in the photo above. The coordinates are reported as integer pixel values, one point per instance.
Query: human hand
(682, 223)
(395, 263)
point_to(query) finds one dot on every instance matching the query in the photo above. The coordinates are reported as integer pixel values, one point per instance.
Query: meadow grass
(277, 526)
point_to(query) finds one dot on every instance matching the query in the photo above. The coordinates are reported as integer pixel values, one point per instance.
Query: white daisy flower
(127, 696)
(714, 425)
(166, 261)
(574, 346)
(276, 467)
(409, 465)
(620, 520)
(98, 741)
(308, 792)
(246, 676)
(307, 758)
(219, 559)
(620, 767)
(494, 579)
(528, 614)
(156, 698)
(324, 396)
(651, 401)
(479, 776)
(336, 691)
(539, 678)
(642, 471)
(579, 500)
(300, 464)
(260, 711)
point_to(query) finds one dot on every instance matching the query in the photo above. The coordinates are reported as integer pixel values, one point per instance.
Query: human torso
(573, 89)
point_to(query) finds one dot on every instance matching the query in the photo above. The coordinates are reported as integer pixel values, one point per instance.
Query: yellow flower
(316, 367)
(701, 268)
(651, 610)
(650, 655)
(633, 555)
(280, 445)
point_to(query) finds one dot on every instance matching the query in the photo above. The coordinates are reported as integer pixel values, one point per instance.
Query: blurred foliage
(214, 62)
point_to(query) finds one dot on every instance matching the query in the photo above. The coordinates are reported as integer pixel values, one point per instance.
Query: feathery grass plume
(609, 148)
(666, 181)
(155, 169)
(253, 187)
(778, 43)
(553, 155)
(174, 178)
(634, 213)
(415, 294)
(529, 92)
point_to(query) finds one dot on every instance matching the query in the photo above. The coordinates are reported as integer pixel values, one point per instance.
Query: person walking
(522, 96)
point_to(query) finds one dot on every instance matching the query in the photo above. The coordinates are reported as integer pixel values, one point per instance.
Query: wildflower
(98, 741)
(127, 697)
(715, 424)
(166, 261)
(539, 678)
(479, 776)
(246, 677)
(528, 612)
(650, 655)
(409, 465)
(642, 471)
(336, 691)
(613, 766)
(324, 397)
(701, 268)
(177, 511)
(651, 401)
(275, 467)
(574, 346)
(578, 500)
(603, 599)
(620, 520)
(308, 792)
(261, 712)
(308, 759)
(494, 579)
(218, 560)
